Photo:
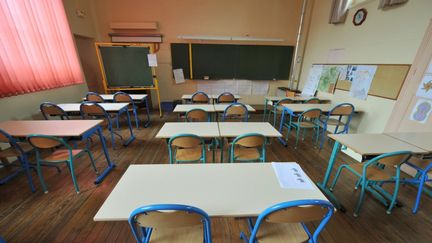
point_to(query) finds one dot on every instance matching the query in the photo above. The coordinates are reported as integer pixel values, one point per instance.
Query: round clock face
(359, 16)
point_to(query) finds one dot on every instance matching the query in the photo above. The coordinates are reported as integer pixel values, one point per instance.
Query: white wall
(386, 37)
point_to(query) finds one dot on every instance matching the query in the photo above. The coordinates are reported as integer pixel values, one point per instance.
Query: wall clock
(359, 17)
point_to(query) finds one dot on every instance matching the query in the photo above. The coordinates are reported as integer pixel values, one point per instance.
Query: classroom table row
(187, 98)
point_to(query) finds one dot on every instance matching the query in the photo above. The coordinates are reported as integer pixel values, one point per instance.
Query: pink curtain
(37, 51)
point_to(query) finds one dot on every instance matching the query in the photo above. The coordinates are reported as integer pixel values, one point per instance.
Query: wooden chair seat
(372, 173)
(307, 124)
(420, 163)
(241, 153)
(61, 155)
(11, 152)
(188, 154)
(178, 235)
(281, 232)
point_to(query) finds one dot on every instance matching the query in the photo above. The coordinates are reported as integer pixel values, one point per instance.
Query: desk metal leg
(323, 185)
(281, 140)
(265, 110)
(221, 144)
(147, 124)
(132, 136)
(111, 165)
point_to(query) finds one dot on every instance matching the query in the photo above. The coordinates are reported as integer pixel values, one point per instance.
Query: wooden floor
(64, 216)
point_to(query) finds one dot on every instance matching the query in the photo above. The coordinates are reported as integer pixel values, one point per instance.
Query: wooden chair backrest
(312, 101)
(251, 141)
(186, 142)
(236, 110)
(197, 116)
(52, 110)
(200, 98)
(394, 160)
(285, 101)
(125, 98)
(297, 214)
(226, 98)
(94, 98)
(44, 142)
(344, 110)
(315, 113)
(92, 110)
(3, 138)
(168, 219)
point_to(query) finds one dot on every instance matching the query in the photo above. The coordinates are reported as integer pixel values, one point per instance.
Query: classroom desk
(366, 145)
(82, 129)
(271, 100)
(137, 98)
(228, 190)
(422, 140)
(118, 108)
(234, 129)
(222, 107)
(187, 107)
(213, 97)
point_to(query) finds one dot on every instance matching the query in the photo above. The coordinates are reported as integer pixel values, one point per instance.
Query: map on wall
(328, 79)
(362, 81)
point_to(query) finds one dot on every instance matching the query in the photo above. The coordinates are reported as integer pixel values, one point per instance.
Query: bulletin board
(387, 82)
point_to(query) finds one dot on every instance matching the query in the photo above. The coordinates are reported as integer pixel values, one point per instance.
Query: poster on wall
(313, 79)
(425, 88)
(328, 79)
(421, 111)
(350, 72)
(362, 81)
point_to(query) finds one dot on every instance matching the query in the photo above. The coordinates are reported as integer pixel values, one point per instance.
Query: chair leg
(26, 167)
(324, 128)
(361, 198)
(136, 118)
(337, 177)
(423, 179)
(41, 178)
(71, 169)
(297, 136)
(92, 161)
(395, 193)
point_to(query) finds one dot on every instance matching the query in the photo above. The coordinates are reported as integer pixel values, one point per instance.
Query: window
(37, 51)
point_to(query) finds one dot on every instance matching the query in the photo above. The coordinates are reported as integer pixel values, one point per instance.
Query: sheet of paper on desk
(152, 60)
(291, 176)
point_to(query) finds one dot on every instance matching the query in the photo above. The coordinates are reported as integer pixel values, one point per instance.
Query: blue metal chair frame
(143, 235)
(296, 124)
(22, 158)
(132, 103)
(200, 92)
(218, 100)
(172, 151)
(253, 228)
(262, 151)
(68, 162)
(50, 104)
(246, 112)
(276, 107)
(372, 185)
(325, 121)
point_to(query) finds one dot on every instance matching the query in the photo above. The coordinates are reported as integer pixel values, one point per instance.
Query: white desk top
(304, 107)
(232, 190)
(202, 129)
(135, 97)
(185, 108)
(234, 129)
(211, 96)
(374, 144)
(422, 140)
(109, 107)
(222, 107)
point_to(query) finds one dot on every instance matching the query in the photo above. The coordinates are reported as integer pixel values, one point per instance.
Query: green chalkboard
(180, 57)
(214, 61)
(126, 66)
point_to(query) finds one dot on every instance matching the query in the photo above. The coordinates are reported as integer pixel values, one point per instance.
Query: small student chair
(122, 97)
(285, 222)
(92, 110)
(276, 109)
(249, 147)
(200, 98)
(186, 148)
(308, 119)
(65, 155)
(20, 151)
(422, 167)
(94, 97)
(236, 112)
(49, 109)
(381, 169)
(338, 112)
(197, 115)
(313, 100)
(170, 223)
(226, 97)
